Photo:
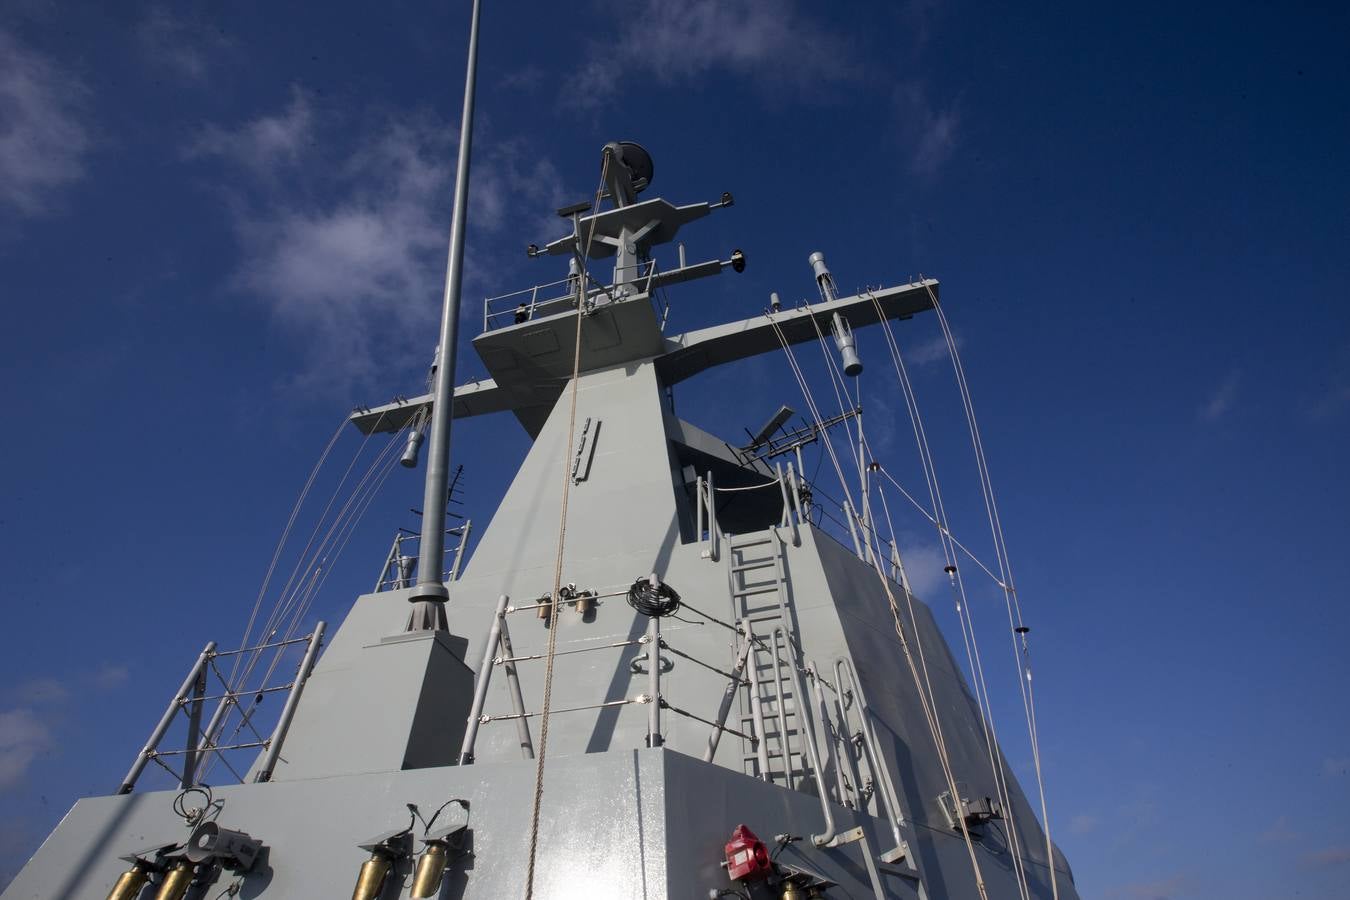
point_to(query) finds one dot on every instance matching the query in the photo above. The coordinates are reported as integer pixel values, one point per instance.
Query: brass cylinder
(583, 604)
(129, 886)
(371, 879)
(176, 881)
(430, 870)
(793, 892)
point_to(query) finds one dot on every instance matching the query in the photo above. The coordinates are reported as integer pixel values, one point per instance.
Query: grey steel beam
(695, 351)
(475, 398)
(292, 700)
(166, 720)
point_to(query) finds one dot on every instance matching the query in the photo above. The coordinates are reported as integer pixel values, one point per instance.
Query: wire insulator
(653, 600)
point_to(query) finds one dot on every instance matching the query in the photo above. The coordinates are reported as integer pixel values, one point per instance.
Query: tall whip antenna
(429, 596)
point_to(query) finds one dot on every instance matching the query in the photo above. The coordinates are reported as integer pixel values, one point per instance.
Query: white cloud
(264, 143)
(182, 46)
(1278, 833)
(41, 690)
(924, 564)
(1222, 401)
(1330, 856)
(930, 351)
(42, 140)
(1162, 889)
(928, 132)
(1083, 824)
(110, 677)
(22, 737)
(768, 40)
(345, 239)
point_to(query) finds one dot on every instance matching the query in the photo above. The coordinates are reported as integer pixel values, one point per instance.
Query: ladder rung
(750, 592)
(754, 564)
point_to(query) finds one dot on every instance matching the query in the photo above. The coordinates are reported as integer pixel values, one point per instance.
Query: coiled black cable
(653, 600)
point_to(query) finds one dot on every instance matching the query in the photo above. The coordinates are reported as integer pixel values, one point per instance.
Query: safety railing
(548, 299)
(400, 564)
(498, 653)
(530, 303)
(709, 533)
(705, 518)
(201, 742)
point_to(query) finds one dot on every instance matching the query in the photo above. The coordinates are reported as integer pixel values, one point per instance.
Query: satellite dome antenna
(628, 171)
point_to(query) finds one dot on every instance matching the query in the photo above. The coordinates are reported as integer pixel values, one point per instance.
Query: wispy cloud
(344, 239)
(22, 737)
(924, 567)
(929, 130)
(1279, 832)
(43, 139)
(928, 352)
(43, 703)
(37, 691)
(110, 677)
(1331, 397)
(262, 145)
(1162, 889)
(1222, 401)
(1083, 824)
(771, 42)
(179, 45)
(1330, 856)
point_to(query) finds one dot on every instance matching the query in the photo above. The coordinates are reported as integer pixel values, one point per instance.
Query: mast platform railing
(553, 297)
(400, 564)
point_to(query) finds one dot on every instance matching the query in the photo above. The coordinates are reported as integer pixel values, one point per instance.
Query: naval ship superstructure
(737, 702)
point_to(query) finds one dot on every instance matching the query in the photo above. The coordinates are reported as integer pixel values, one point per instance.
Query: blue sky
(223, 225)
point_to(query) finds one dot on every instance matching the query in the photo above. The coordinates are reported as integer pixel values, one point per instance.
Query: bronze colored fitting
(177, 881)
(129, 886)
(371, 879)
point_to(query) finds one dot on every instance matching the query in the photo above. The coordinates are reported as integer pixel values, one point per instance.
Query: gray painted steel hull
(384, 715)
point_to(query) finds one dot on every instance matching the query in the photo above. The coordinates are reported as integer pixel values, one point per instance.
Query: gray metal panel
(693, 352)
(606, 226)
(473, 399)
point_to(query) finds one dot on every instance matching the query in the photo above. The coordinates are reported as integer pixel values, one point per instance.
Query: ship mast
(430, 594)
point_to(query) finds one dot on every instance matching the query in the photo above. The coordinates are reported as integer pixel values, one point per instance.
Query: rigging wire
(285, 535)
(924, 688)
(1017, 628)
(964, 611)
(928, 702)
(289, 611)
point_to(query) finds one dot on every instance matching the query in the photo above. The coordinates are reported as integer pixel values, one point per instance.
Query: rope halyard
(558, 562)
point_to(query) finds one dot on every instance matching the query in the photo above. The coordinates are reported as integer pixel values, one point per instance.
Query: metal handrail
(193, 694)
(392, 559)
(895, 816)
